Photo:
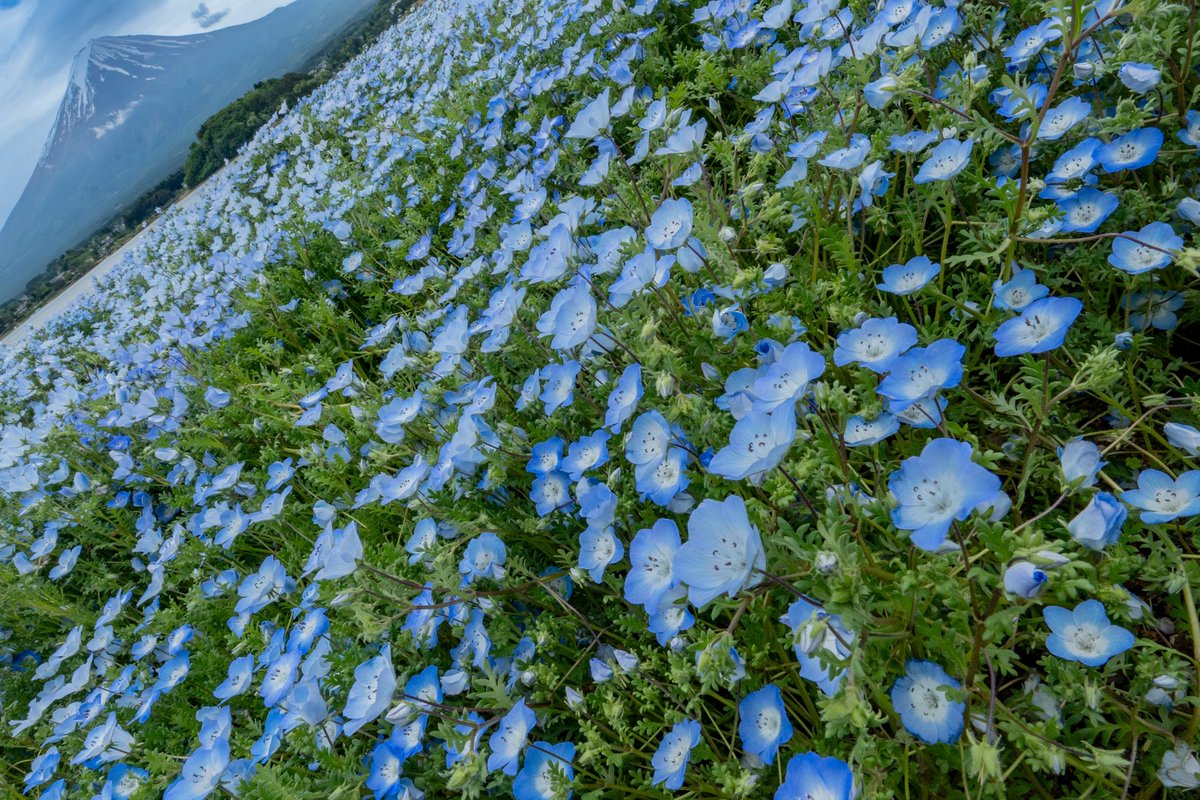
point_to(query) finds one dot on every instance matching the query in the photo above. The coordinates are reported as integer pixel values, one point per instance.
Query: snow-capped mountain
(109, 68)
(130, 111)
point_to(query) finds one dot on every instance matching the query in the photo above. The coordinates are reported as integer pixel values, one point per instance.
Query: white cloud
(116, 120)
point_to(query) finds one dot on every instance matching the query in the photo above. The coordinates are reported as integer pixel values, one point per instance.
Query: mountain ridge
(129, 112)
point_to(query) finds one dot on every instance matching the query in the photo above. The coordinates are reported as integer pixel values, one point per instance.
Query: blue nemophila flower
(547, 767)
(386, 770)
(279, 678)
(938, 487)
(1021, 290)
(757, 444)
(651, 554)
(544, 456)
(571, 318)
(598, 549)
(922, 372)
(1080, 460)
(42, 768)
(912, 276)
(1132, 150)
(912, 142)
(1086, 210)
(1139, 77)
(821, 642)
(660, 481)
(787, 379)
(649, 439)
(217, 398)
(371, 694)
(1162, 498)
(1063, 117)
(728, 322)
(559, 389)
(813, 777)
(723, 552)
(279, 473)
(1185, 437)
(1029, 42)
(1154, 309)
(921, 699)
(670, 761)
(592, 120)
(671, 225)
(1024, 579)
(509, 738)
(1076, 163)
(763, 723)
(201, 773)
(624, 398)
(859, 432)
(1099, 524)
(802, 151)
(875, 344)
(945, 161)
(586, 454)
(1042, 327)
(483, 558)
(1153, 247)
(1190, 135)
(849, 157)
(1085, 634)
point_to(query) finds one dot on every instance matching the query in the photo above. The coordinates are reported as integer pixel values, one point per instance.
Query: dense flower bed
(735, 400)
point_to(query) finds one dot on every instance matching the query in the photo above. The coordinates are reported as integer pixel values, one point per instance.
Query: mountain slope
(130, 111)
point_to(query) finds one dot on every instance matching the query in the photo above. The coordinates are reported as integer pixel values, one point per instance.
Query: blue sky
(38, 41)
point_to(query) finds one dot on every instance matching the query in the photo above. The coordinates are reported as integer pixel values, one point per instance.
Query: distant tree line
(218, 140)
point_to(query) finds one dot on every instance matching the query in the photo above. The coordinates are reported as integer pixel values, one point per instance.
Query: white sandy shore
(86, 284)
